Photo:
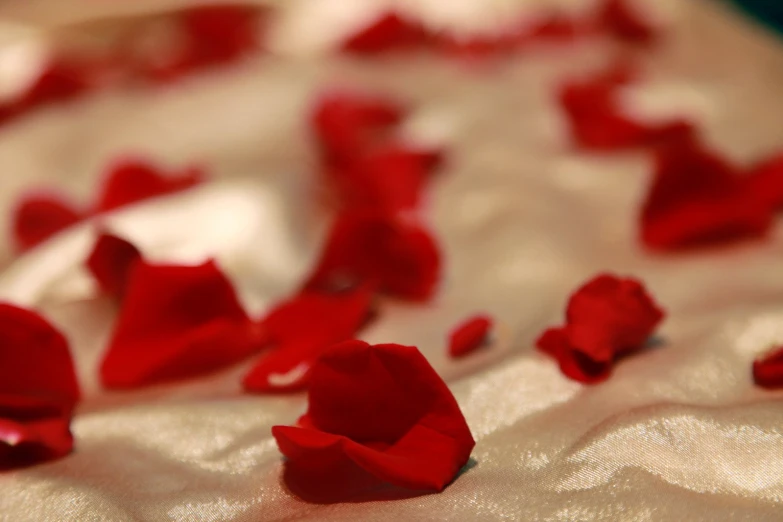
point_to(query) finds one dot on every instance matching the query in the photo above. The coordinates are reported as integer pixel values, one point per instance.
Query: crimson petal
(469, 335)
(38, 389)
(110, 263)
(622, 20)
(768, 370)
(363, 246)
(38, 218)
(765, 183)
(390, 178)
(698, 198)
(346, 124)
(176, 322)
(129, 181)
(302, 329)
(386, 410)
(388, 32)
(606, 318)
(597, 122)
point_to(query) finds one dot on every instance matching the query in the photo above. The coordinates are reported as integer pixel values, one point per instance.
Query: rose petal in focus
(383, 409)
(606, 318)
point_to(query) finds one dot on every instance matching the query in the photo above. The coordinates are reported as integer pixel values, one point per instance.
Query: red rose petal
(391, 178)
(59, 81)
(622, 20)
(606, 318)
(387, 33)
(574, 364)
(38, 389)
(768, 370)
(597, 122)
(698, 198)
(130, 181)
(110, 263)
(211, 35)
(302, 329)
(469, 335)
(347, 124)
(397, 254)
(765, 183)
(176, 322)
(221, 33)
(38, 218)
(383, 408)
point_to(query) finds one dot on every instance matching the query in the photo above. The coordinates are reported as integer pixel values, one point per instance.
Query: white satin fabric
(678, 433)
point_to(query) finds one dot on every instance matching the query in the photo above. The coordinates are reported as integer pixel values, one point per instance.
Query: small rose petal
(389, 32)
(176, 322)
(347, 124)
(597, 121)
(110, 263)
(130, 181)
(469, 335)
(698, 198)
(37, 218)
(38, 389)
(606, 318)
(391, 178)
(768, 370)
(384, 409)
(397, 254)
(625, 22)
(301, 329)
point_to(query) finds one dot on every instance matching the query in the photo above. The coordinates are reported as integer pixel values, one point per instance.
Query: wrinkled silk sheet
(678, 433)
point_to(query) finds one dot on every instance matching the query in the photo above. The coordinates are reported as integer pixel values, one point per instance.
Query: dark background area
(769, 12)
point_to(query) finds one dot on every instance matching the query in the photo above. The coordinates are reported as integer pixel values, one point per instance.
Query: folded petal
(606, 318)
(385, 409)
